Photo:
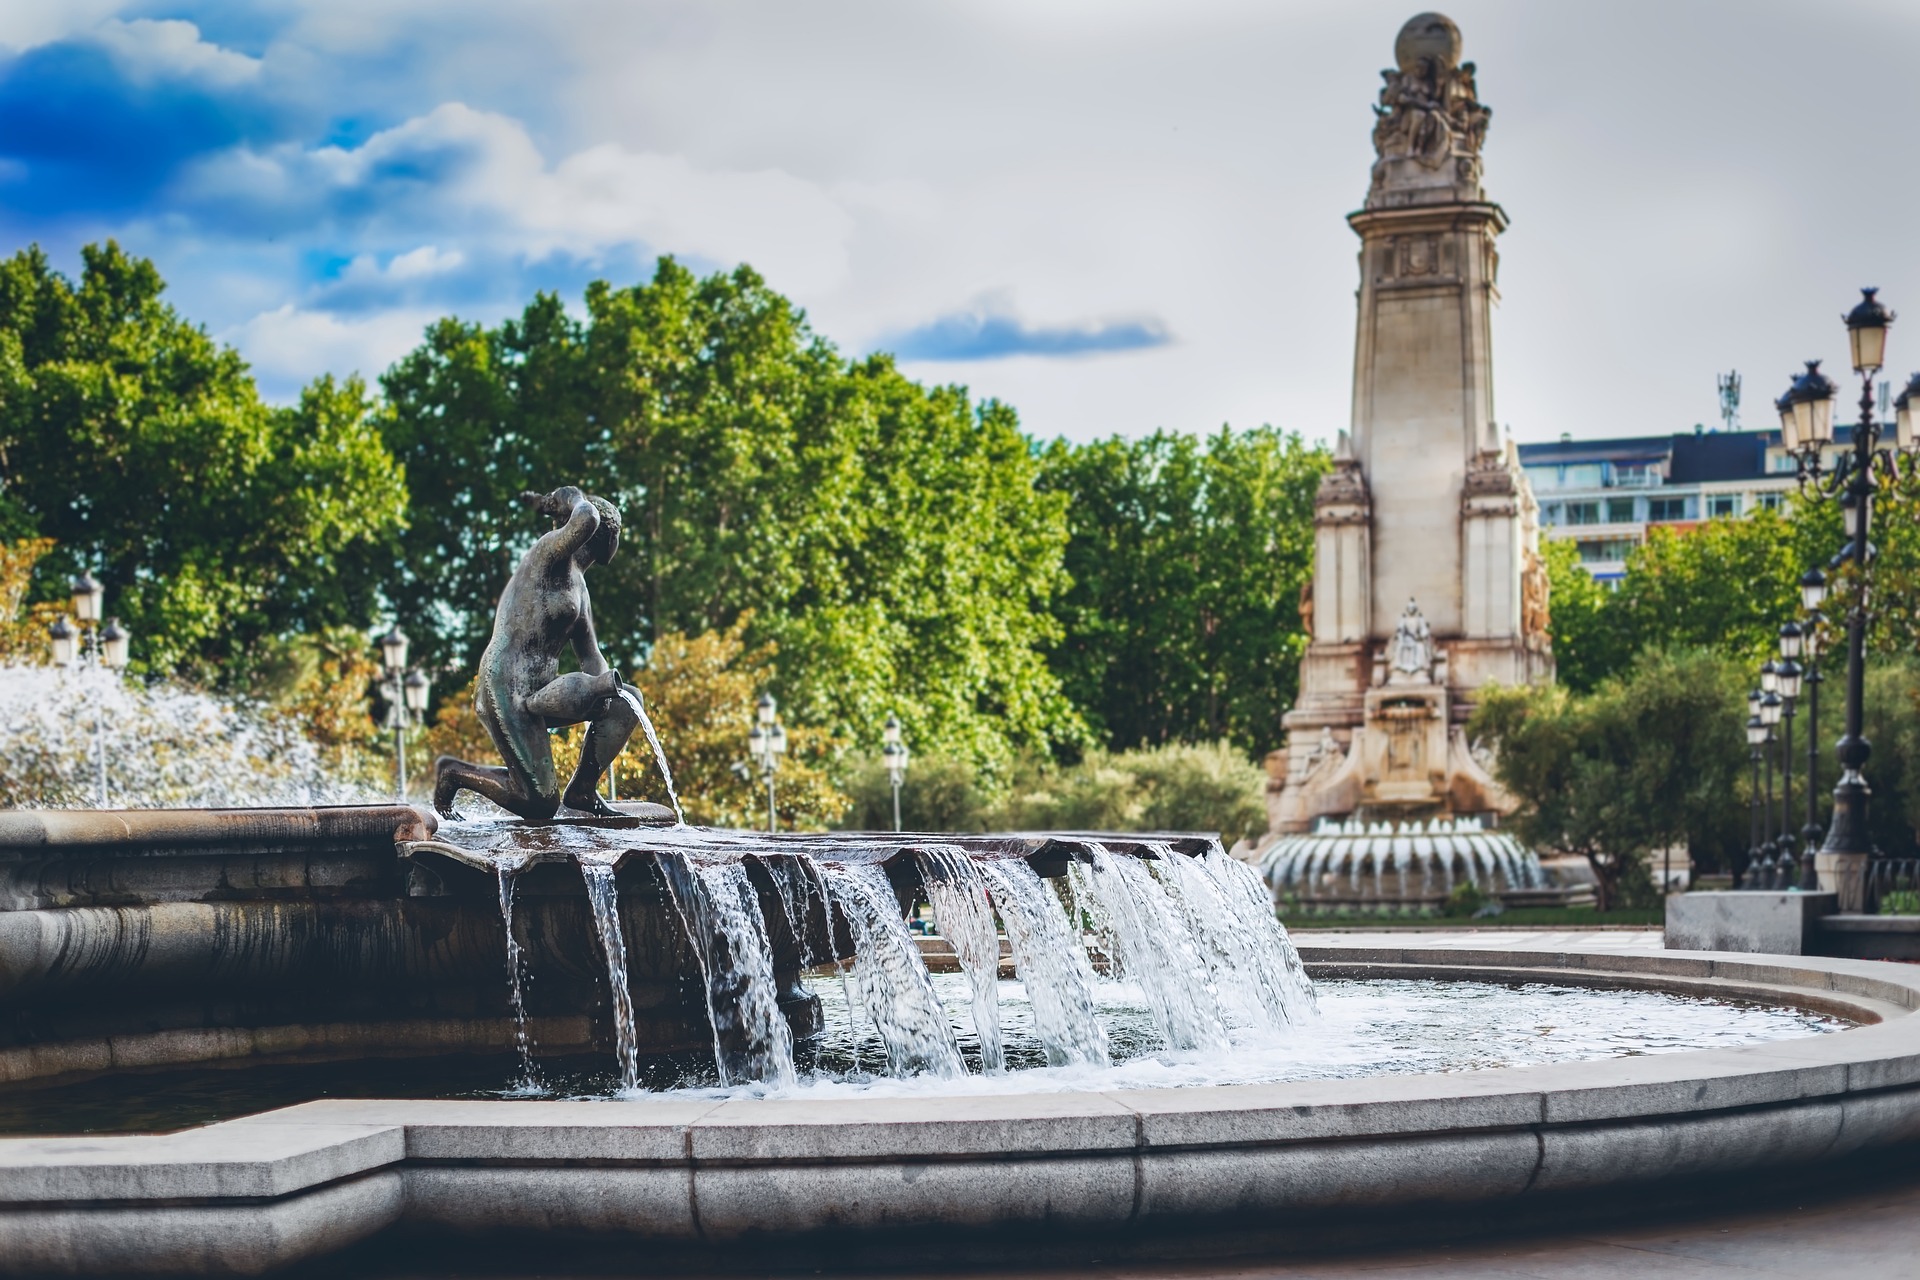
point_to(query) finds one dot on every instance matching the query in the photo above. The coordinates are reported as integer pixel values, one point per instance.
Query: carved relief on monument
(1410, 653)
(1535, 616)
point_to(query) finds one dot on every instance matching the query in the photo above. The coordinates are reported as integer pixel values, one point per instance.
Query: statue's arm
(569, 504)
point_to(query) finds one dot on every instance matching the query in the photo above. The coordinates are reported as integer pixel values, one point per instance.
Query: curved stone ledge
(1305, 1161)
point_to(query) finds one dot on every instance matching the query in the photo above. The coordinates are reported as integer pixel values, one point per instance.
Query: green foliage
(1891, 723)
(890, 538)
(1465, 900)
(1649, 759)
(1900, 902)
(1207, 787)
(1188, 558)
(143, 450)
(1587, 647)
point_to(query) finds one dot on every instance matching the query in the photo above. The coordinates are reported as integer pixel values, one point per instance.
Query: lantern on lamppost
(894, 751)
(766, 743)
(91, 646)
(406, 695)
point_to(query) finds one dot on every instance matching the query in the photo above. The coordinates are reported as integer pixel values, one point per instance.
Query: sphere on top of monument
(1427, 35)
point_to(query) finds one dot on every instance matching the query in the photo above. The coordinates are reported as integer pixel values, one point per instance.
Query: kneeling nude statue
(519, 692)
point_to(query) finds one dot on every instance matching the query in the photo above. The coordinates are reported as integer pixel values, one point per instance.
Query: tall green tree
(1649, 759)
(1188, 557)
(141, 447)
(889, 538)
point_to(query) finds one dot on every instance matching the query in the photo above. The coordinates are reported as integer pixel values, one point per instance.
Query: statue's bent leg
(527, 786)
(607, 734)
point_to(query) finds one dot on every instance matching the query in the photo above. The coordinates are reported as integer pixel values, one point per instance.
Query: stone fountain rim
(299, 1181)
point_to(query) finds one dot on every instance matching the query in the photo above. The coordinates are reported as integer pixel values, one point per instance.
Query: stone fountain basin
(148, 938)
(679, 1181)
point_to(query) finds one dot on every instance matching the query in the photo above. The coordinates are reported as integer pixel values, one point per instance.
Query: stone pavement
(1870, 1234)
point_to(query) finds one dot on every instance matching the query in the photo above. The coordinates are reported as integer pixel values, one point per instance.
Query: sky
(1115, 215)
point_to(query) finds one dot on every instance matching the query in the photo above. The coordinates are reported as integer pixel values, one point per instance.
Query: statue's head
(605, 542)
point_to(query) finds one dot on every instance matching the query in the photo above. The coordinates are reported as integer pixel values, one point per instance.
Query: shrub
(1465, 900)
(1900, 902)
(941, 793)
(1178, 787)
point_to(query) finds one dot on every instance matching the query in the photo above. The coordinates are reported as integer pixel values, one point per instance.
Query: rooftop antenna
(1730, 400)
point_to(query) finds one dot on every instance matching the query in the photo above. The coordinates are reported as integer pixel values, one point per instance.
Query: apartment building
(1603, 495)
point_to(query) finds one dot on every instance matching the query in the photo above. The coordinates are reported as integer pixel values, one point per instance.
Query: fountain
(1143, 1063)
(1411, 865)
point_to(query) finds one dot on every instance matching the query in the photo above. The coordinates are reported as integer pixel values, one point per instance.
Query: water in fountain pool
(1365, 1028)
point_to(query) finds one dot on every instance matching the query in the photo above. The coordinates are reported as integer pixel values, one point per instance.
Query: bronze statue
(519, 692)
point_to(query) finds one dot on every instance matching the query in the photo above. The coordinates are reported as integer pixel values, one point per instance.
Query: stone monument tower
(1427, 579)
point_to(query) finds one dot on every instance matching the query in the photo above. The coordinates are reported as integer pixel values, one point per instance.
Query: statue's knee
(540, 808)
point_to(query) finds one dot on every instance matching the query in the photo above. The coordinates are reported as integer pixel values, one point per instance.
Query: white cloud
(480, 172)
(147, 50)
(416, 264)
(290, 346)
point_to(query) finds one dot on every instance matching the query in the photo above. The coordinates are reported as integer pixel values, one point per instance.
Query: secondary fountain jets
(1327, 863)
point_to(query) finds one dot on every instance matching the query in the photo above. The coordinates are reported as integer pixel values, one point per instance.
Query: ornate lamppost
(1854, 477)
(1771, 708)
(1756, 738)
(1788, 675)
(766, 743)
(896, 755)
(1813, 594)
(91, 645)
(406, 698)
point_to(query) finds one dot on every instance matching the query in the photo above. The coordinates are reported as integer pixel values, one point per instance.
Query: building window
(1635, 475)
(1583, 513)
(1605, 550)
(1767, 501)
(1619, 510)
(1659, 509)
(1723, 504)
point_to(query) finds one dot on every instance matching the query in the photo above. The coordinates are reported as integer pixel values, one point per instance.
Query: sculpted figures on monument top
(1429, 116)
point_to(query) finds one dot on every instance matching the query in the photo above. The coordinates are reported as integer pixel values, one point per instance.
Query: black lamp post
(1855, 476)
(1788, 675)
(1756, 738)
(406, 695)
(1771, 706)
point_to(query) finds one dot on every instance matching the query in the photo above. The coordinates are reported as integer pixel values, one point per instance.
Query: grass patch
(1532, 917)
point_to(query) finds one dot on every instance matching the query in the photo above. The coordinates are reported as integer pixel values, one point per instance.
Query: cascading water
(1051, 962)
(166, 746)
(721, 912)
(1156, 949)
(659, 754)
(529, 1081)
(958, 895)
(605, 900)
(890, 976)
(1196, 965)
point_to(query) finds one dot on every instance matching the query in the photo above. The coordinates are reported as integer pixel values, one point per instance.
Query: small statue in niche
(519, 693)
(1410, 652)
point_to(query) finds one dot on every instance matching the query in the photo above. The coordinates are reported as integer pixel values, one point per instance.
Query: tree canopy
(890, 538)
(142, 449)
(1187, 557)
